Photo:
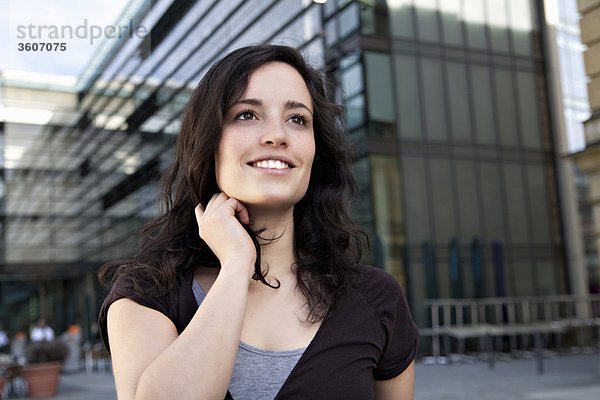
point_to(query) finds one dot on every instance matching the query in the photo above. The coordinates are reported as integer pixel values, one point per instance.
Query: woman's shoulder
(176, 302)
(149, 292)
(373, 278)
(376, 285)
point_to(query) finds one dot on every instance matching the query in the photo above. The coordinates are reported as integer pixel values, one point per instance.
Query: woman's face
(267, 145)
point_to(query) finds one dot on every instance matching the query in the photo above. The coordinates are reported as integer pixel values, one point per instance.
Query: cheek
(227, 160)
(311, 152)
(221, 161)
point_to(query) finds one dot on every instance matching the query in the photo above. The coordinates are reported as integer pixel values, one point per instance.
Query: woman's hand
(220, 226)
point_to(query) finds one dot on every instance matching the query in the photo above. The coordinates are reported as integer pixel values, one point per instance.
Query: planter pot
(42, 378)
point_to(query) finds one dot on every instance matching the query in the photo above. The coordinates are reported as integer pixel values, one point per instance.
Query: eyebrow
(289, 104)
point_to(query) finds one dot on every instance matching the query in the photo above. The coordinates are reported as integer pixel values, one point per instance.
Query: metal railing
(498, 318)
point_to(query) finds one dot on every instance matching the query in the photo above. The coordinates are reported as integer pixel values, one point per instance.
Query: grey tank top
(257, 374)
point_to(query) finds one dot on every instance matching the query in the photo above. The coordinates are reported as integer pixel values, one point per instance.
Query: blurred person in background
(17, 347)
(42, 331)
(4, 341)
(249, 286)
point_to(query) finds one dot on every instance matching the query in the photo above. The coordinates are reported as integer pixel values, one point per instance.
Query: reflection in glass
(408, 94)
(434, 103)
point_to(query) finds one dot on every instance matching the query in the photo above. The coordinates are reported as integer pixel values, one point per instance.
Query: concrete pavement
(566, 377)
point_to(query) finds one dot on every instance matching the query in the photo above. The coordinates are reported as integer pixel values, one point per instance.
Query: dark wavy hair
(327, 242)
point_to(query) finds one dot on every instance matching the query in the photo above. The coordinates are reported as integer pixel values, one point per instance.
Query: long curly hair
(327, 242)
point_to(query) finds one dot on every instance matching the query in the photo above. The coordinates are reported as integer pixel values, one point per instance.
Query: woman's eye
(298, 119)
(245, 115)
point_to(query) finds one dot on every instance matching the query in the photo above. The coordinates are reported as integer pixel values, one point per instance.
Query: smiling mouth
(271, 164)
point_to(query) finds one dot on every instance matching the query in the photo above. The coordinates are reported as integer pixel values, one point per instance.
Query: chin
(270, 201)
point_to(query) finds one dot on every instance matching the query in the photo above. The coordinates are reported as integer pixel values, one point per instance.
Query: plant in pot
(44, 363)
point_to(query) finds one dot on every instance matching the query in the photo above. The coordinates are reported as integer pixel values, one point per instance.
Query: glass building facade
(563, 19)
(446, 103)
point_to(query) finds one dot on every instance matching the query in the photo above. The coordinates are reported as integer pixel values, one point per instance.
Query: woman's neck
(277, 243)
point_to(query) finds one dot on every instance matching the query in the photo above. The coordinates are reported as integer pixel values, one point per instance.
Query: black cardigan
(369, 336)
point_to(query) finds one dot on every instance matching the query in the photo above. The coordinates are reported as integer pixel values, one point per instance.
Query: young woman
(249, 285)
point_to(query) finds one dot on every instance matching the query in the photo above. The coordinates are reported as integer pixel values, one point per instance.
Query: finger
(239, 210)
(211, 202)
(219, 199)
(199, 211)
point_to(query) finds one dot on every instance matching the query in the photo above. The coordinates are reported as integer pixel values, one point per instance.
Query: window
(514, 191)
(468, 199)
(444, 219)
(505, 107)
(492, 201)
(409, 112)
(521, 25)
(379, 87)
(385, 180)
(401, 18)
(538, 200)
(485, 131)
(528, 110)
(451, 22)
(497, 17)
(349, 20)
(458, 101)
(474, 18)
(416, 197)
(433, 91)
(427, 20)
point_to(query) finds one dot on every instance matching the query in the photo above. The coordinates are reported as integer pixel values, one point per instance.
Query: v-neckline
(308, 349)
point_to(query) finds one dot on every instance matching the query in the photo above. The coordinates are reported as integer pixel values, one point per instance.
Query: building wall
(567, 82)
(446, 102)
(589, 158)
(476, 150)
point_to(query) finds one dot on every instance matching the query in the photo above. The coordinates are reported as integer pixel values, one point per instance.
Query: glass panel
(482, 104)
(408, 96)
(427, 20)
(492, 201)
(349, 20)
(522, 278)
(361, 206)
(505, 107)
(443, 206)
(528, 107)
(521, 25)
(538, 200)
(458, 100)
(474, 18)
(401, 18)
(433, 91)
(331, 35)
(415, 185)
(497, 14)
(385, 178)
(352, 80)
(355, 111)
(330, 8)
(314, 53)
(468, 199)
(451, 22)
(379, 87)
(514, 191)
(368, 20)
(546, 279)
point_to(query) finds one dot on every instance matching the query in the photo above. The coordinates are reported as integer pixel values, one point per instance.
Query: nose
(274, 135)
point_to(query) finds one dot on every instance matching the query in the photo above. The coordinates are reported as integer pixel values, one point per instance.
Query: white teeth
(271, 164)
